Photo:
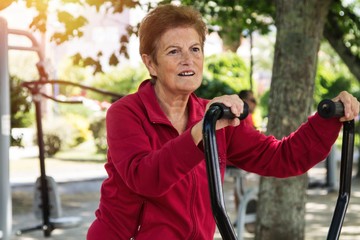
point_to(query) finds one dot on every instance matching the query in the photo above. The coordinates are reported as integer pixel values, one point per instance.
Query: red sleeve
(291, 156)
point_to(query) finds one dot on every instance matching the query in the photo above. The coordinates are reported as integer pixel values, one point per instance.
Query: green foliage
(224, 73)
(264, 103)
(332, 76)
(80, 126)
(78, 60)
(20, 104)
(119, 80)
(72, 129)
(72, 25)
(347, 20)
(329, 88)
(234, 19)
(77, 117)
(74, 73)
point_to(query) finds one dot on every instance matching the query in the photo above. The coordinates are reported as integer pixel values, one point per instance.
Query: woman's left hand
(351, 105)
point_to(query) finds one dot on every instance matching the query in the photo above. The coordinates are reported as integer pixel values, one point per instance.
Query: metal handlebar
(347, 153)
(215, 112)
(326, 109)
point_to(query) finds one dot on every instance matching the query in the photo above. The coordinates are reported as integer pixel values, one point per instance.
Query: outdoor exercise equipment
(5, 196)
(217, 111)
(326, 109)
(6, 218)
(47, 194)
(48, 200)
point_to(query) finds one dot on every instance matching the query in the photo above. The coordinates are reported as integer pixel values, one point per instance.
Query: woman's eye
(196, 49)
(174, 51)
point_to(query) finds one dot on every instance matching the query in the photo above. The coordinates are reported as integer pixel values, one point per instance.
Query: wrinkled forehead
(180, 36)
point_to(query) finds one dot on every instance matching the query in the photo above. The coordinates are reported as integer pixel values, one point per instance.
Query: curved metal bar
(214, 176)
(35, 44)
(345, 180)
(61, 101)
(32, 84)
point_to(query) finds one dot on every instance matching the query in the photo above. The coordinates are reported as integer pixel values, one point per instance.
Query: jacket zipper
(140, 219)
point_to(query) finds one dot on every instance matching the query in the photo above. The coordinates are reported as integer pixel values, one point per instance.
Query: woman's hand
(236, 106)
(351, 105)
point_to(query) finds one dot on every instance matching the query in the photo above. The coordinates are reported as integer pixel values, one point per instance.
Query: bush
(80, 129)
(224, 73)
(52, 144)
(98, 129)
(70, 129)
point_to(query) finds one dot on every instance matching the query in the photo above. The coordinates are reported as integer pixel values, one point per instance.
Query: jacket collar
(156, 115)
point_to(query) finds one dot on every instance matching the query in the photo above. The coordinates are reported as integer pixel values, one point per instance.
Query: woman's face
(180, 60)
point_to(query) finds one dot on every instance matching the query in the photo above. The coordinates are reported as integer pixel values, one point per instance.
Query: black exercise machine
(326, 109)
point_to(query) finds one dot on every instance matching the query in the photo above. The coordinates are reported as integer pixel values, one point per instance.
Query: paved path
(79, 184)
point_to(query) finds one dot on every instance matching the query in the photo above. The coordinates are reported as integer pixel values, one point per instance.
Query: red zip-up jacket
(157, 184)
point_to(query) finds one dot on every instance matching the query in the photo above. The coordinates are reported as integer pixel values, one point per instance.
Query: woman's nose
(186, 57)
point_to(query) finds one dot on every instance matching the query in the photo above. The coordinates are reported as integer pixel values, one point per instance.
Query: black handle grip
(328, 109)
(226, 111)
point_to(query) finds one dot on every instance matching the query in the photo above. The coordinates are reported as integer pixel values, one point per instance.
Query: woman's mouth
(186, 74)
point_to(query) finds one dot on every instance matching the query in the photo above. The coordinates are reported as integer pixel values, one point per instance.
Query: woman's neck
(175, 108)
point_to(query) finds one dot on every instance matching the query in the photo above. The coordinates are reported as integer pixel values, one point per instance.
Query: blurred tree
(121, 80)
(72, 23)
(232, 19)
(342, 31)
(299, 32)
(5, 3)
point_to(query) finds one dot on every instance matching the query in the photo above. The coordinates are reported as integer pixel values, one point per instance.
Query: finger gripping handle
(226, 111)
(329, 109)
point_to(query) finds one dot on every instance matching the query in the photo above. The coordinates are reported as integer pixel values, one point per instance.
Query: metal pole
(47, 228)
(347, 154)
(5, 196)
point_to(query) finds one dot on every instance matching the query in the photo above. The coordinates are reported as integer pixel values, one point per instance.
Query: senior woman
(157, 184)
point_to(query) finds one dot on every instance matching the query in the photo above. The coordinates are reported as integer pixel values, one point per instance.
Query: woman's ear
(149, 63)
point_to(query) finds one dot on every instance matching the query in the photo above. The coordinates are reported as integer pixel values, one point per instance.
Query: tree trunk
(281, 208)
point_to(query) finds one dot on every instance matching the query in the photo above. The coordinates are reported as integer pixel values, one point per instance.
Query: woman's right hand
(236, 106)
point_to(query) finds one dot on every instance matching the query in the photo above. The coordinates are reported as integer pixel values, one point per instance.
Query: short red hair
(163, 18)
